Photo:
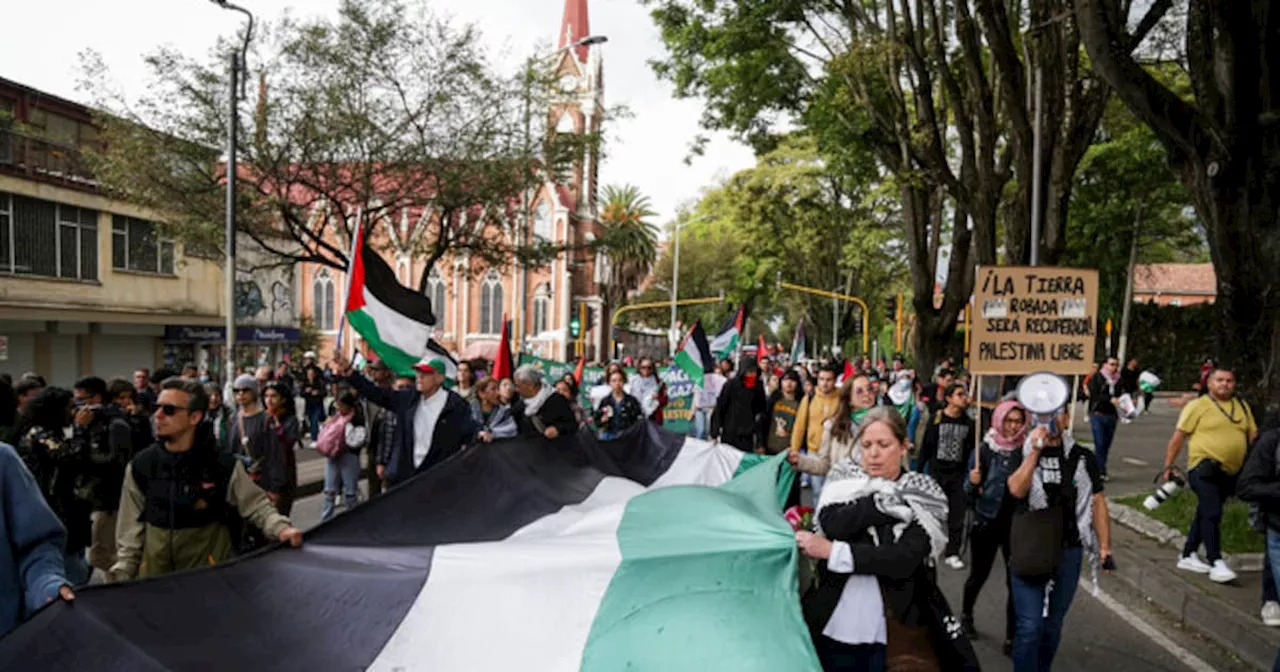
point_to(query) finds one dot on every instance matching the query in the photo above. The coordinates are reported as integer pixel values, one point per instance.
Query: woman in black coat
(876, 605)
(540, 410)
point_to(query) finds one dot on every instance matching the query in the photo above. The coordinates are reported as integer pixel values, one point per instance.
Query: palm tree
(628, 239)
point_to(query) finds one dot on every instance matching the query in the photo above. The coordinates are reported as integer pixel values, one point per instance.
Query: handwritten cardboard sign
(1029, 319)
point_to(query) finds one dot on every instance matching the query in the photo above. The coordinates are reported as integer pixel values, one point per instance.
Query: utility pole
(233, 122)
(1128, 291)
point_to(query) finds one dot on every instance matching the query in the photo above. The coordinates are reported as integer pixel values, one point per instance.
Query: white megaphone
(1043, 395)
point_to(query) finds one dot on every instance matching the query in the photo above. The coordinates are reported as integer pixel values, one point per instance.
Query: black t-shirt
(1056, 483)
(948, 445)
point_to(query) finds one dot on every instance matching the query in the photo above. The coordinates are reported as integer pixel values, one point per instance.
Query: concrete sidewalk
(1227, 614)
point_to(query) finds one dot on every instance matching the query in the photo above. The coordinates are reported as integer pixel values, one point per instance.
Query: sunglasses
(170, 409)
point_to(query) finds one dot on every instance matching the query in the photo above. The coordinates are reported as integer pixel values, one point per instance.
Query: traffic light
(891, 309)
(575, 327)
(591, 317)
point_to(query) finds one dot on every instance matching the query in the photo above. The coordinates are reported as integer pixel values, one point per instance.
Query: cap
(310, 353)
(433, 365)
(245, 382)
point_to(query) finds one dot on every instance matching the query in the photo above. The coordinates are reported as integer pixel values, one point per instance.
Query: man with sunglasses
(181, 492)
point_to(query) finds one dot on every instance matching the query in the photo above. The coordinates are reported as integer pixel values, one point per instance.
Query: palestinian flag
(798, 344)
(694, 356)
(395, 320)
(523, 555)
(726, 341)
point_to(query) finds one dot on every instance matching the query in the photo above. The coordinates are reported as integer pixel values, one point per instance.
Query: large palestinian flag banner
(395, 320)
(649, 552)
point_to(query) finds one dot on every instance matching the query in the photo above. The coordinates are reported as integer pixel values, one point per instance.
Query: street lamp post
(233, 122)
(523, 236)
(675, 279)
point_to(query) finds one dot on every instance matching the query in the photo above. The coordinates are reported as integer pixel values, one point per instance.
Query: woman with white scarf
(649, 390)
(881, 529)
(1060, 522)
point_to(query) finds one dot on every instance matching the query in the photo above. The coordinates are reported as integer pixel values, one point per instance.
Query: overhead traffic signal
(575, 327)
(891, 309)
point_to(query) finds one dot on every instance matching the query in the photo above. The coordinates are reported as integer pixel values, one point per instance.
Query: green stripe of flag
(396, 359)
(697, 563)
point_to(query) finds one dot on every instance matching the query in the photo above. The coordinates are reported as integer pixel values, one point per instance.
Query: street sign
(1031, 319)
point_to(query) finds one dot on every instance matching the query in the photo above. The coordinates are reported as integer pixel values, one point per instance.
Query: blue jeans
(1039, 631)
(701, 423)
(315, 418)
(1104, 431)
(1212, 487)
(344, 472)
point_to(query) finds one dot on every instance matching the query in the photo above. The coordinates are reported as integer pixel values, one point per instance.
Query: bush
(1177, 512)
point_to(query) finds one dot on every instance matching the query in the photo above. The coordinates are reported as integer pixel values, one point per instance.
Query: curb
(1150, 527)
(1231, 628)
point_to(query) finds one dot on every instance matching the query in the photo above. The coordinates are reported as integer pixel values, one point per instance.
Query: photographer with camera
(103, 435)
(1217, 429)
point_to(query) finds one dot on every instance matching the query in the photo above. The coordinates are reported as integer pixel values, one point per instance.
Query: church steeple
(575, 26)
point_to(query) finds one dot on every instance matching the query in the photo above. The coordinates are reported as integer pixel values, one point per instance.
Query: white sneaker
(1221, 573)
(1193, 563)
(954, 562)
(1271, 614)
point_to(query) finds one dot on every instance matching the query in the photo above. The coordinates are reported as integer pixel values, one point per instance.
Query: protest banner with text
(1029, 319)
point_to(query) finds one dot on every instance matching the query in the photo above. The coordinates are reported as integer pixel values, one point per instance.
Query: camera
(1166, 490)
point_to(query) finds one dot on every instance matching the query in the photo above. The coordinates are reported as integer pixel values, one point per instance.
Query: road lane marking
(1184, 656)
(1135, 461)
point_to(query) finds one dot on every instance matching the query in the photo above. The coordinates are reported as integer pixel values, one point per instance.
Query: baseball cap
(433, 365)
(309, 353)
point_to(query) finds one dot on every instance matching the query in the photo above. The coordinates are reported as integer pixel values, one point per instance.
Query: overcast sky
(41, 45)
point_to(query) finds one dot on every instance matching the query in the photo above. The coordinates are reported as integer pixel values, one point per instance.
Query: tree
(1223, 143)
(788, 218)
(628, 238)
(1126, 195)
(386, 115)
(934, 91)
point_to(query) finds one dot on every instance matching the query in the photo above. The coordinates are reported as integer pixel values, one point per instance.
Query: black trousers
(984, 540)
(957, 504)
(840, 657)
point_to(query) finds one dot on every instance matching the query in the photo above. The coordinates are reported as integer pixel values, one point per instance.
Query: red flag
(848, 371)
(503, 366)
(577, 373)
(762, 350)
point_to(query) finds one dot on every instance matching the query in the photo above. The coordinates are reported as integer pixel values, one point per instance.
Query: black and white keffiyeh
(914, 497)
(1038, 499)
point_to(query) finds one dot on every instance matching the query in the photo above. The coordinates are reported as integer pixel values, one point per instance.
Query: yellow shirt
(1213, 434)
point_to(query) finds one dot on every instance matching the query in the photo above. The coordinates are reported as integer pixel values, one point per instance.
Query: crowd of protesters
(166, 473)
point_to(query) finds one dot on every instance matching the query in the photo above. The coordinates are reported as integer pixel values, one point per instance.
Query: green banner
(678, 416)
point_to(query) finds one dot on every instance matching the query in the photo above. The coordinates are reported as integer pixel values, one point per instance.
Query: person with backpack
(182, 495)
(997, 458)
(1060, 521)
(340, 441)
(945, 455)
